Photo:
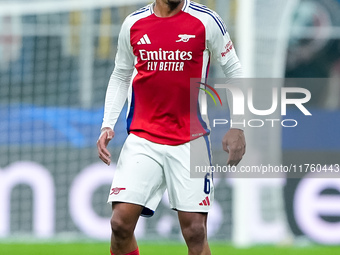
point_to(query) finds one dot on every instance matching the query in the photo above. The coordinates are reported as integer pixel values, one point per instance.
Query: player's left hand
(234, 143)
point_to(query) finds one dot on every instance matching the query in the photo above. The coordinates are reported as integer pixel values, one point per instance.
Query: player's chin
(175, 1)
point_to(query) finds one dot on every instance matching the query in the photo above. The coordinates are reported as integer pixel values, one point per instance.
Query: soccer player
(160, 47)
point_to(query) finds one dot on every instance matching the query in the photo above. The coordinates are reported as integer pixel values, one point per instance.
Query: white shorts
(145, 169)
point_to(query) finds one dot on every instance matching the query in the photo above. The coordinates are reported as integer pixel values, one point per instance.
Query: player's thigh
(186, 193)
(138, 178)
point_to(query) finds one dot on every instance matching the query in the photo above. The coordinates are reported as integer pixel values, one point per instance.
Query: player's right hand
(105, 137)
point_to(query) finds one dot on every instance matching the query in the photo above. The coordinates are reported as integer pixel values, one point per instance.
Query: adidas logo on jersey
(144, 40)
(205, 202)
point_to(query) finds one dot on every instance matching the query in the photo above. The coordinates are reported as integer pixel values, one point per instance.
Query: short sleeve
(218, 41)
(124, 58)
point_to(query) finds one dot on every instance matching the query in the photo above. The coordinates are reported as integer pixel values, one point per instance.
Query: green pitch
(156, 249)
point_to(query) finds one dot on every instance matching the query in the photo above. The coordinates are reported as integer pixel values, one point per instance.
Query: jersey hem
(165, 141)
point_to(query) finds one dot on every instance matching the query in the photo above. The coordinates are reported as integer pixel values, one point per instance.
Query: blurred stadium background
(55, 61)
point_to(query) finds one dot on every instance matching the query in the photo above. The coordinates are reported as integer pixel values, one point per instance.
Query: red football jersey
(166, 53)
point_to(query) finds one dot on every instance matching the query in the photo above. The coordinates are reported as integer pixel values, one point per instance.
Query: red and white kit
(161, 55)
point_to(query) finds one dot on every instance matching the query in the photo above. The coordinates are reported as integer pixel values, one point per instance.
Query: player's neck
(165, 8)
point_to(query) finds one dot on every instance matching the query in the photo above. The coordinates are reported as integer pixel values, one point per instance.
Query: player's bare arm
(105, 137)
(234, 143)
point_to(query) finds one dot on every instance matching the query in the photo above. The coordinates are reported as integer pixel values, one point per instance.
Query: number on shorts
(207, 184)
